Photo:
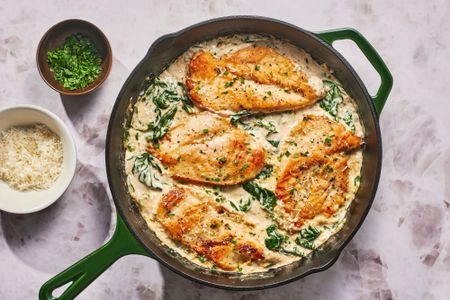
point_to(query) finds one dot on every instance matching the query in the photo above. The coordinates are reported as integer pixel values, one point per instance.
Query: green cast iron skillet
(132, 236)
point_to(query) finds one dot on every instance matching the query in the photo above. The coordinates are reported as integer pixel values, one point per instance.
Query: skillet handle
(371, 54)
(83, 272)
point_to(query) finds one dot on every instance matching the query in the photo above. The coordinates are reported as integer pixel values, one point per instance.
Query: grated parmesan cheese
(30, 157)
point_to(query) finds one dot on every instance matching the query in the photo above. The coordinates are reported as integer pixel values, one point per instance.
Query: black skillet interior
(159, 56)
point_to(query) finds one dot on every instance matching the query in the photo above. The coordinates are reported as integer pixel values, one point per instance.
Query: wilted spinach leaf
(237, 116)
(162, 124)
(243, 205)
(164, 92)
(265, 173)
(265, 197)
(332, 98)
(148, 171)
(268, 125)
(307, 237)
(274, 239)
(274, 143)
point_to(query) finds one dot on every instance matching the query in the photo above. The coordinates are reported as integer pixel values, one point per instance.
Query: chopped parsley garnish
(201, 258)
(268, 125)
(348, 119)
(228, 84)
(75, 64)
(219, 197)
(244, 167)
(327, 140)
(222, 160)
(205, 131)
(256, 68)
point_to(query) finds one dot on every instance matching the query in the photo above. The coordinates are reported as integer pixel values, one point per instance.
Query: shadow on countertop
(76, 224)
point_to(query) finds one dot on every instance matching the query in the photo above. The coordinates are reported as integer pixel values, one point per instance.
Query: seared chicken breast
(254, 78)
(264, 65)
(207, 148)
(234, 162)
(311, 186)
(193, 218)
(320, 133)
(314, 179)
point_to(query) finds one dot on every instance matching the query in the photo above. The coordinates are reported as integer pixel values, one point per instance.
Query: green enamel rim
(371, 54)
(123, 242)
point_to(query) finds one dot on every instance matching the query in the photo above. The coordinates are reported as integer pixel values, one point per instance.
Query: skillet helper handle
(83, 272)
(371, 54)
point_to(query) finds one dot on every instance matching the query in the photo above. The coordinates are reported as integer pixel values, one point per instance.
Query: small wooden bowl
(56, 36)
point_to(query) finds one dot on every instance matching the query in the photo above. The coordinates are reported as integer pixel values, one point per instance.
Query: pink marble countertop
(402, 250)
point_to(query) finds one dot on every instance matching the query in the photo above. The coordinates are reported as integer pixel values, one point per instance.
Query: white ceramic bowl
(15, 201)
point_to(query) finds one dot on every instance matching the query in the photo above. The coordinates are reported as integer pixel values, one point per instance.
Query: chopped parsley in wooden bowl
(75, 64)
(74, 57)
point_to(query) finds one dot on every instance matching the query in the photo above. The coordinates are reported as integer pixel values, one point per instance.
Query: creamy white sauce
(148, 198)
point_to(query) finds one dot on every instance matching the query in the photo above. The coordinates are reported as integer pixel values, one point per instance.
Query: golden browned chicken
(254, 78)
(193, 218)
(314, 180)
(264, 65)
(320, 133)
(310, 186)
(207, 148)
